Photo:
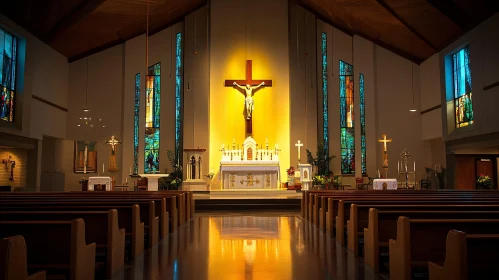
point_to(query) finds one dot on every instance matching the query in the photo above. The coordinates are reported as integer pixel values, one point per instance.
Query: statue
(250, 106)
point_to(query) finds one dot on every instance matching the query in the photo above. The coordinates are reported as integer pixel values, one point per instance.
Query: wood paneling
(465, 173)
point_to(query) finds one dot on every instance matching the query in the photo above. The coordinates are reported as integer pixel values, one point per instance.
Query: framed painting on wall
(85, 157)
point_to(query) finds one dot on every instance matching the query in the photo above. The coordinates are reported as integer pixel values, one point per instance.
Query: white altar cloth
(92, 181)
(381, 184)
(254, 174)
(152, 180)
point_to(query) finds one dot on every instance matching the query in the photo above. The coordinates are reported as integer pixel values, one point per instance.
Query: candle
(103, 168)
(223, 146)
(233, 140)
(130, 170)
(414, 166)
(398, 166)
(126, 180)
(266, 140)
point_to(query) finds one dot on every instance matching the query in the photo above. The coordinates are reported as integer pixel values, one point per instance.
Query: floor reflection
(247, 247)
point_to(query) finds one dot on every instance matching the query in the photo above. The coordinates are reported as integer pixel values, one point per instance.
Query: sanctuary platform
(249, 199)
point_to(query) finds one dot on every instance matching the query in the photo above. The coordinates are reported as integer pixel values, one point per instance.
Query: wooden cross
(12, 163)
(252, 83)
(384, 141)
(385, 152)
(299, 145)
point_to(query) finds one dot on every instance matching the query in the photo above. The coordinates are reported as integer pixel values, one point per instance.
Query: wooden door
(465, 173)
(485, 166)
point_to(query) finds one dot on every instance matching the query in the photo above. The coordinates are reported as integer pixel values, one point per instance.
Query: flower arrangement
(321, 180)
(484, 182)
(176, 182)
(290, 171)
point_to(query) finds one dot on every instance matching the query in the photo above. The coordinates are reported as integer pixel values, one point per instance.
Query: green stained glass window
(362, 124)
(463, 102)
(347, 130)
(325, 113)
(151, 137)
(136, 125)
(8, 60)
(178, 95)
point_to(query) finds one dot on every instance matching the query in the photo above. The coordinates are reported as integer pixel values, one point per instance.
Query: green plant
(322, 160)
(174, 179)
(439, 174)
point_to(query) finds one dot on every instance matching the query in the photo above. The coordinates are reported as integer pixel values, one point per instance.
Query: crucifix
(112, 159)
(12, 163)
(299, 145)
(249, 86)
(385, 152)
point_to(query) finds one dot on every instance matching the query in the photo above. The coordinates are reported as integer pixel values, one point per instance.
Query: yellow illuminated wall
(241, 30)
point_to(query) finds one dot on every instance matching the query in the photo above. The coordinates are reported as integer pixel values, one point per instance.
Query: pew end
(371, 245)
(455, 266)
(353, 231)
(13, 260)
(399, 250)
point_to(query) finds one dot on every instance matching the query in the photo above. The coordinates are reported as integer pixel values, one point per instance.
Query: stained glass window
(325, 95)
(362, 124)
(178, 93)
(347, 132)
(462, 87)
(8, 60)
(136, 125)
(151, 137)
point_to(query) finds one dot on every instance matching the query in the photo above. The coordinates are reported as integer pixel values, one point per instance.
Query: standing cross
(384, 141)
(299, 145)
(244, 84)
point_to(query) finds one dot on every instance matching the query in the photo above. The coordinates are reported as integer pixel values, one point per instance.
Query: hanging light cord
(147, 38)
(86, 88)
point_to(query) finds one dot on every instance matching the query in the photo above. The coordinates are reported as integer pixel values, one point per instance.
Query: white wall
(431, 123)
(394, 99)
(484, 64)
(45, 76)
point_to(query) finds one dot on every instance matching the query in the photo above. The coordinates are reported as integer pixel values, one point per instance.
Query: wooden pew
(359, 216)
(128, 218)
(382, 225)
(147, 210)
(468, 256)
(420, 241)
(163, 204)
(14, 262)
(59, 247)
(101, 228)
(340, 208)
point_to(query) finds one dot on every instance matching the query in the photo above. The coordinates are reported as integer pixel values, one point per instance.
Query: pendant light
(86, 120)
(413, 106)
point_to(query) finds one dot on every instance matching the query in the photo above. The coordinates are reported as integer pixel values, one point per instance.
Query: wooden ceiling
(77, 28)
(415, 29)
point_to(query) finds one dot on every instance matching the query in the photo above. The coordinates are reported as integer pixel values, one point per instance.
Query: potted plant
(174, 179)
(321, 161)
(484, 182)
(439, 174)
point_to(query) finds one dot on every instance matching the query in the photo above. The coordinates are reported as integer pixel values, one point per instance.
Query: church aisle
(247, 246)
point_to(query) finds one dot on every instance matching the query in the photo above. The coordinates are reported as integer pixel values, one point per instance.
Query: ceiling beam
(76, 15)
(406, 24)
(449, 9)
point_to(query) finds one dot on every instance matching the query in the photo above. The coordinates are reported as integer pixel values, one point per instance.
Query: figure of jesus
(250, 106)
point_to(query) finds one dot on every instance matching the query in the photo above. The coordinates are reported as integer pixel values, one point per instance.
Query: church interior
(249, 139)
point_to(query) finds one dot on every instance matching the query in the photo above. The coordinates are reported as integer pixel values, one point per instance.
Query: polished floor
(247, 246)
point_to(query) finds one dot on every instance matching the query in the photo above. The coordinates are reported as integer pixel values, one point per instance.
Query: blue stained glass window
(463, 102)
(347, 131)
(136, 125)
(153, 102)
(362, 124)
(8, 60)
(178, 93)
(325, 113)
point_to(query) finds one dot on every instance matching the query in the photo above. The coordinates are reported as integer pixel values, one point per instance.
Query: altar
(250, 167)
